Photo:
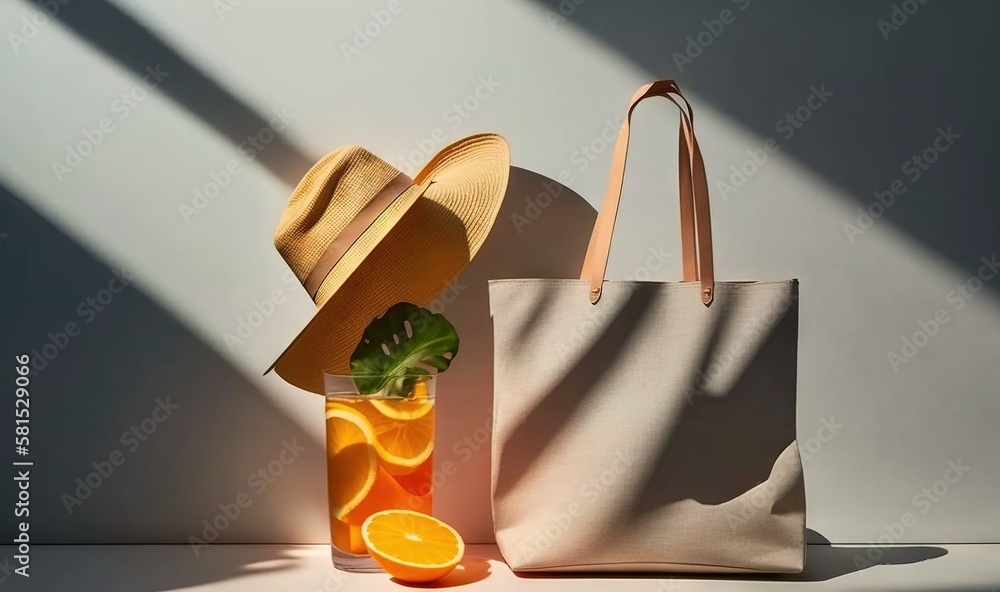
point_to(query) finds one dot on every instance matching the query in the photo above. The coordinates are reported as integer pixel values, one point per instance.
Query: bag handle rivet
(696, 225)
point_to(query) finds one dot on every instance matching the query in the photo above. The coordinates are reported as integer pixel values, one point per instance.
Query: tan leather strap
(353, 231)
(696, 228)
(686, 193)
(689, 255)
(688, 251)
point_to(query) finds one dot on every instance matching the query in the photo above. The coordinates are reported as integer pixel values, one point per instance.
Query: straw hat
(361, 236)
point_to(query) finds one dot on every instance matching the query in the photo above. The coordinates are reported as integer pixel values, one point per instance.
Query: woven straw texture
(408, 254)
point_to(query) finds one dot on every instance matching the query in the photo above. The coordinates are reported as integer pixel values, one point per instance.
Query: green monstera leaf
(406, 342)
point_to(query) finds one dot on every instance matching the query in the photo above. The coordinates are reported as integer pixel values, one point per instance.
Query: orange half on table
(412, 547)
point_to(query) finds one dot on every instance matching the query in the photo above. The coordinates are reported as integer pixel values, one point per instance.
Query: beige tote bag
(644, 426)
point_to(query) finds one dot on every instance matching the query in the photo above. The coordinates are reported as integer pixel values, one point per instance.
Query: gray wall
(879, 432)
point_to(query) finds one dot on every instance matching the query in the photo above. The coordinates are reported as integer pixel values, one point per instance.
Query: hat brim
(409, 254)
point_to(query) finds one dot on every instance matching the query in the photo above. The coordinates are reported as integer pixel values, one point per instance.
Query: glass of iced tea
(379, 456)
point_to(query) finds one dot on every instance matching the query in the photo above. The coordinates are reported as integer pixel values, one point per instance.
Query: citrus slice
(412, 547)
(385, 494)
(402, 444)
(420, 482)
(347, 538)
(416, 406)
(352, 461)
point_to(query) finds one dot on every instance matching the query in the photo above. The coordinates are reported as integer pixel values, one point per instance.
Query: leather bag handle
(696, 226)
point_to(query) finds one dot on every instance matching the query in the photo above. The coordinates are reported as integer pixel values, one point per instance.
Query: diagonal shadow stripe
(135, 47)
(890, 97)
(554, 411)
(102, 359)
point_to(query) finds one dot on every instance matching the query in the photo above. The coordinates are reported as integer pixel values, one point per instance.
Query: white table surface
(252, 568)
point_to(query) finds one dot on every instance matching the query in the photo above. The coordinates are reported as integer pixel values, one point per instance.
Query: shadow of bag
(646, 426)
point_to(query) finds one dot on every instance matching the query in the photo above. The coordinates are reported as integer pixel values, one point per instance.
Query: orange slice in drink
(347, 538)
(403, 409)
(402, 444)
(414, 407)
(421, 481)
(352, 461)
(385, 494)
(411, 546)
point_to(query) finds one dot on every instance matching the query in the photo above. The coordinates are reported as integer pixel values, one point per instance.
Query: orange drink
(379, 457)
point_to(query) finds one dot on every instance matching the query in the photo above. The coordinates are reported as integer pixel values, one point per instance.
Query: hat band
(365, 218)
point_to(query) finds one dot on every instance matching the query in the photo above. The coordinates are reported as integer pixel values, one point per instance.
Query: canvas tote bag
(645, 426)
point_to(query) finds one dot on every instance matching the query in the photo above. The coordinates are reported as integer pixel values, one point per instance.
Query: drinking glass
(379, 455)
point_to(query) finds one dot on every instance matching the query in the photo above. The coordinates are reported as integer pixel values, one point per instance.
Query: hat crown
(325, 201)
